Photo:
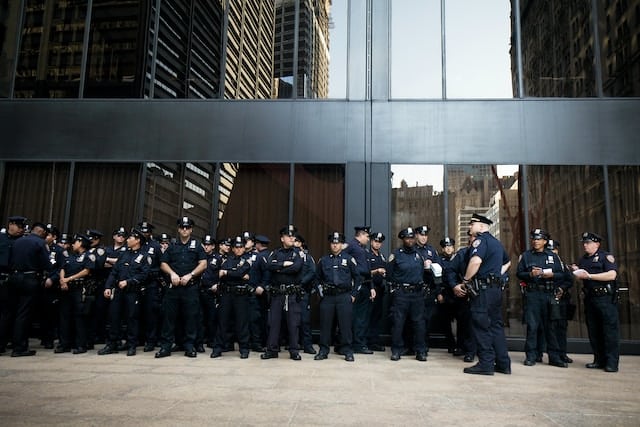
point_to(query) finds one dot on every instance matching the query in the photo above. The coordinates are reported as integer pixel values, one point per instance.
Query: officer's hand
(353, 298)
(122, 284)
(63, 285)
(459, 291)
(214, 288)
(222, 273)
(107, 293)
(440, 298)
(175, 279)
(245, 277)
(427, 264)
(287, 263)
(373, 294)
(259, 290)
(48, 283)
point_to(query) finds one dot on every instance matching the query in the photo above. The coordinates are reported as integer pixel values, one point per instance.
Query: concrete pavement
(117, 390)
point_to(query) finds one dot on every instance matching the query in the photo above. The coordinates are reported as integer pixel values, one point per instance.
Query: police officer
(234, 292)
(598, 271)
(96, 304)
(73, 276)
(378, 266)
(307, 281)
(488, 261)
(13, 231)
(184, 262)
(284, 267)
(564, 309)
(456, 270)
(338, 281)
(208, 322)
(446, 300)
(259, 304)
(119, 246)
(123, 286)
(29, 261)
(405, 271)
(365, 293)
(432, 281)
(49, 297)
(208, 245)
(151, 291)
(542, 273)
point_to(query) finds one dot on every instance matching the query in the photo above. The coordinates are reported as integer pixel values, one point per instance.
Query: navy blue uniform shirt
(405, 266)
(184, 257)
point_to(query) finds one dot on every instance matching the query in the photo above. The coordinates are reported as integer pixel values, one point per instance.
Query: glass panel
(37, 191)
(492, 191)
(416, 70)
(477, 49)
(557, 49)
(624, 189)
(567, 201)
(9, 19)
(51, 49)
(318, 205)
(338, 31)
(618, 23)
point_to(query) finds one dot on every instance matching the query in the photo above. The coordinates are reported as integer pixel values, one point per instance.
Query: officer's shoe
(61, 349)
(611, 369)
(468, 358)
(477, 370)
(422, 357)
(23, 353)
(593, 365)
(503, 369)
(320, 356)
(269, 355)
(309, 349)
(79, 350)
(163, 353)
(191, 353)
(108, 349)
(122, 347)
(295, 356)
(149, 347)
(377, 347)
(131, 351)
(395, 356)
(244, 355)
(566, 358)
(200, 348)
(349, 358)
(529, 362)
(558, 363)
(364, 350)
(177, 347)
(215, 354)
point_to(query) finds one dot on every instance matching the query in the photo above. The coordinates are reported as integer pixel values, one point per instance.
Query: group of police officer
(186, 294)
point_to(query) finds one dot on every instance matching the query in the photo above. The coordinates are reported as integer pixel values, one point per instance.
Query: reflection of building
(416, 206)
(559, 54)
(312, 65)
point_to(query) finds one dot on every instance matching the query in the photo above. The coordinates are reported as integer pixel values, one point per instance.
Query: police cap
(262, 239)
(336, 237)
(208, 240)
(539, 233)
(407, 232)
(138, 234)
(588, 236)
(553, 244)
(84, 240)
(447, 241)
(185, 222)
(289, 230)
(53, 230)
(238, 242)
(164, 237)
(145, 227)
(17, 220)
(480, 218)
(120, 232)
(94, 234)
(423, 229)
(378, 237)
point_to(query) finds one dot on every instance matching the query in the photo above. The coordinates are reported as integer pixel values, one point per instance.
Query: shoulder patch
(151, 250)
(611, 259)
(100, 251)
(476, 243)
(392, 257)
(92, 257)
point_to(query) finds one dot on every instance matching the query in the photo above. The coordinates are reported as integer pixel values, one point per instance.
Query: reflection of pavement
(88, 389)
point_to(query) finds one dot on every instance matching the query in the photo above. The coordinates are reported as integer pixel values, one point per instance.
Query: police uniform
(486, 307)
(541, 274)
(73, 297)
(208, 298)
(7, 240)
(259, 305)
(446, 309)
(49, 297)
(284, 287)
(29, 261)
(181, 259)
(362, 304)
(601, 306)
(132, 268)
(307, 281)
(405, 271)
(562, 309)
(432, 284)
(466, 343)
(377, 261)
(97, 305)
(338, 281)
(151, 295)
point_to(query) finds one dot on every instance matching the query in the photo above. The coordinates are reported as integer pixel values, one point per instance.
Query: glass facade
(317, 49)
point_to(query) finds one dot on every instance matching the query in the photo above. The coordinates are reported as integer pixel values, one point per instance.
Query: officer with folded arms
(8, 236)
(338, 280)
(598, 271)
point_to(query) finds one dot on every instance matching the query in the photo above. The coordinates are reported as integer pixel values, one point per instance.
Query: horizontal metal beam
(531, 131)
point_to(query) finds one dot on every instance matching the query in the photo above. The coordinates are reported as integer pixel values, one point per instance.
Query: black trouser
(430, 309)
(258, 327)
(180, 300)
(375, 319)
(98, 314)
(408, 305)
(48, 308)
(209, 310)
(361, 314)
(536, 316)
(233, 309)
(72, 313)
(292, 309)
(23, 288)
(305, 321)
(464, 335)
(488, 329)
(124, 302)
(601, 314)
(152, 312)
(6, 314)
(340, 306)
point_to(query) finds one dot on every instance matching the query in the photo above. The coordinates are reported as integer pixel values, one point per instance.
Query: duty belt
(333, 290)
(284, 289)
(540, 287)
(237, 289)
(599, 291)
(409, 287)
